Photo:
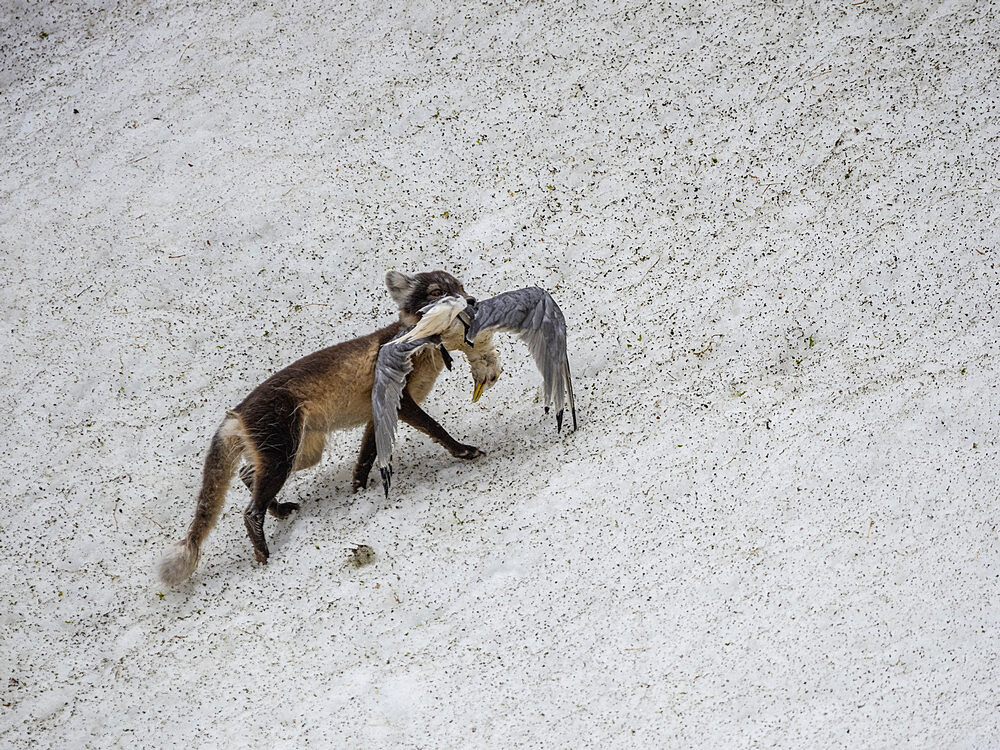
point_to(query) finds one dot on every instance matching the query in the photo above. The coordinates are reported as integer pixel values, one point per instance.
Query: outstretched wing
(536, 318)
(395, 363)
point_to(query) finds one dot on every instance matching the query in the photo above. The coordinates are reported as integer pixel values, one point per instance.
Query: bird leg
(446, 357)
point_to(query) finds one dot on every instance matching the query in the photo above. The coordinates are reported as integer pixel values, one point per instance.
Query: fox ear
(400, 285)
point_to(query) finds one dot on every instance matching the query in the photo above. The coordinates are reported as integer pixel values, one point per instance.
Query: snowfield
(773, 229)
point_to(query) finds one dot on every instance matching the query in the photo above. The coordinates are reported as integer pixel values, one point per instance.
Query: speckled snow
(773, 229)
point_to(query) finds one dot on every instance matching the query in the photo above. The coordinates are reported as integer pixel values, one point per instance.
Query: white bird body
(438, 318)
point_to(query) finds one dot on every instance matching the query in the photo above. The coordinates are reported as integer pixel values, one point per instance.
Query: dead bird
(282, 425)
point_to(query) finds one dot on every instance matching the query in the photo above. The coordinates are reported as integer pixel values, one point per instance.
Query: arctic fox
(281, 426)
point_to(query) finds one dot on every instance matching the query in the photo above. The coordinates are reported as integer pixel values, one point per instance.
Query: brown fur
(282, 425)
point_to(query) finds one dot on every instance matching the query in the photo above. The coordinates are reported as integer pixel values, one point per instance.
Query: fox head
(410, 293)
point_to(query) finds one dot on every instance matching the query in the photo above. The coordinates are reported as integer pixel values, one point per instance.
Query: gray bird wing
(394, 364)
(534, 316)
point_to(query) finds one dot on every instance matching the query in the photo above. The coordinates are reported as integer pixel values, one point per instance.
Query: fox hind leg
(246, 475)
(274, 448)
(268, 481)
(309, 452)
(276, 509)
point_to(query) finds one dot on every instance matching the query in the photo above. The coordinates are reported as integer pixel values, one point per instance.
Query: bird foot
(386, 472)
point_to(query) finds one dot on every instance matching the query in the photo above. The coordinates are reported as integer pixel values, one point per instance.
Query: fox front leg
(414, 416)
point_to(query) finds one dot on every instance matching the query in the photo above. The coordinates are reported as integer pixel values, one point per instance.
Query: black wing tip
(386, 473)
(573, 412)
(559, 420)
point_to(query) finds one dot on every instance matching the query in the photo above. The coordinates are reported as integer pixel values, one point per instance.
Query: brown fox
(281, 426)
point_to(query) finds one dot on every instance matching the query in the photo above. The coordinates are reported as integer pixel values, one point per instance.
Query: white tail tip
(177, 563)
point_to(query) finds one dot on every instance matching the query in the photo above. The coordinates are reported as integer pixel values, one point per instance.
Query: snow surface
(773, 229)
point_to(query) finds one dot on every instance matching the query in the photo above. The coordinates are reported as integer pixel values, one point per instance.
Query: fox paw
(468, 452)
(282, 510)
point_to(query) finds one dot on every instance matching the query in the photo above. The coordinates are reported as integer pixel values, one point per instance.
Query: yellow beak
(477, 392)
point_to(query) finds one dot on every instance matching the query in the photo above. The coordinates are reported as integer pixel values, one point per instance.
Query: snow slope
(773, 229)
